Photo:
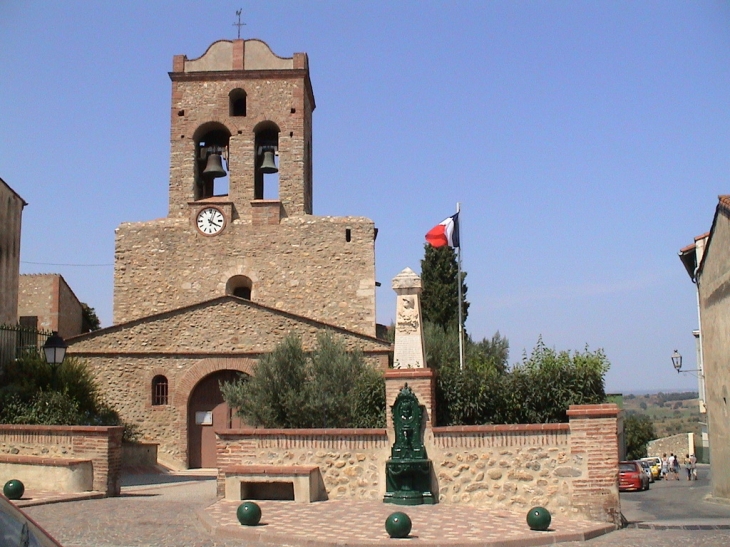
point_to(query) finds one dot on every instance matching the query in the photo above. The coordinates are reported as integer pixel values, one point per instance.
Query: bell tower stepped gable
(252, 111)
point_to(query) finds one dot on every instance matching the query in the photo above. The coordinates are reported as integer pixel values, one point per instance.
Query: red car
(631, 476)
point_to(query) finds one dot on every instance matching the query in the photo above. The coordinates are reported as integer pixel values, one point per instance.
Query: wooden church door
(207, 411)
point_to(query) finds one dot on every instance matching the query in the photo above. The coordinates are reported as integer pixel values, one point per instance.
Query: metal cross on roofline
(239, 24)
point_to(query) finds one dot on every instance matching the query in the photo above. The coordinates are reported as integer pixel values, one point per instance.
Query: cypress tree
(440, 297)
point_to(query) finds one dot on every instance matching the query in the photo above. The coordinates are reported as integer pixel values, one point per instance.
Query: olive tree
(327, 387)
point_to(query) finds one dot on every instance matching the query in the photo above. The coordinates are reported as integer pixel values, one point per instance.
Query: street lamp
(677, 361)
(55, 350)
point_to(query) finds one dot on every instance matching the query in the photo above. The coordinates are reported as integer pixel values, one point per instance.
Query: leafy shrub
(33, 392)
(329, 387)
(538, 390)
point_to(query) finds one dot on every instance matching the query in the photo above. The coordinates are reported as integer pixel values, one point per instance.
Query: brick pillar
(178, 63)
(103, 446)
(423, 383)
(594, 438)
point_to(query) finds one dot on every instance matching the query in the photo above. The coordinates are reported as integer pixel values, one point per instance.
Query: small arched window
(159, 391)
(240, 286)
(237, 103)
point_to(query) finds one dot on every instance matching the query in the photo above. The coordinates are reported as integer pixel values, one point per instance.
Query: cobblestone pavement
(184, 513)
(160, 516)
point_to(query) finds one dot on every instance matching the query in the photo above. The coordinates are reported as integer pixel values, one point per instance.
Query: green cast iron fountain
(408, 471)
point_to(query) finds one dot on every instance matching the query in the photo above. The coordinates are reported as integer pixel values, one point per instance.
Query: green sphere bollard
(398, 525)
(249, 513)
(538, 518)
(14, 489)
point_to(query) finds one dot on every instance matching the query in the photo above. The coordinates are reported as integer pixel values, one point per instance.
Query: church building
(239, 262)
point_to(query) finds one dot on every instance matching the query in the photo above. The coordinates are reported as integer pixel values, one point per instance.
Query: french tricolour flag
(445, 233)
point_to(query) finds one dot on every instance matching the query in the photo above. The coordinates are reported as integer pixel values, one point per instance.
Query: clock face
(210, 221)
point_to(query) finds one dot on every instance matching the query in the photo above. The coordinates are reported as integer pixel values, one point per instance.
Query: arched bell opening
(240, 286)
(211, 160)
(266, 181)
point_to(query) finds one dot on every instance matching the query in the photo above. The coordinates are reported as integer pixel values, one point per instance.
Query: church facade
(239, 262)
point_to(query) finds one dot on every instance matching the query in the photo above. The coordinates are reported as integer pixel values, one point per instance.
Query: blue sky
(587, 142)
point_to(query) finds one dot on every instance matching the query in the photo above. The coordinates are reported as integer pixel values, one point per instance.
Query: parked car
(17, 528)
(631, 476)
(656, 466)
(646, 466)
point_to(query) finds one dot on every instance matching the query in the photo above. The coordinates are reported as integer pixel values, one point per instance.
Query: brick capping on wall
(40, 460)
(271, 469)
(218, 75)
(102, 445)
(499, 428)
(56, 429)
(406, 373)
(329, 432)
(593, 411)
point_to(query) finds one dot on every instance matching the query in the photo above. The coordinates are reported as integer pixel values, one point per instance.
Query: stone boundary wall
(100, 444)
(681, 444)
(505, 466)
(352, 461)
(572, 469)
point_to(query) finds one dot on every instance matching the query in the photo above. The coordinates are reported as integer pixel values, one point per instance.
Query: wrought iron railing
(16, 341)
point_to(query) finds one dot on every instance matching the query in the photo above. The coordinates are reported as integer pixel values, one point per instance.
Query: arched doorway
(207, 412)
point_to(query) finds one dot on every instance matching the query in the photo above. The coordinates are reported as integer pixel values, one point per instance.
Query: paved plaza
(182, 510)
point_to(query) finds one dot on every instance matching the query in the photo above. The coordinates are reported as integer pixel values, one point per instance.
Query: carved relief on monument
(408, 321)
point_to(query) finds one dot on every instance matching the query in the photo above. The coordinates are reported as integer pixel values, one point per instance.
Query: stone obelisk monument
(409, 348)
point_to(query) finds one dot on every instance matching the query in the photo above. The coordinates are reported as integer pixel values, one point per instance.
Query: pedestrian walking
(665, 467)
(688, 467)
(693, 466)
(672, 467)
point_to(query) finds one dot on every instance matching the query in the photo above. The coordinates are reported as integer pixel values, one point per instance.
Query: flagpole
(458, 281)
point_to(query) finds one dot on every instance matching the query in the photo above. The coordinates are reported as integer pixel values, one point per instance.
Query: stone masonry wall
(305, 266)
(681, 444)
(101, 445)
(507, 466)
(70, 314)
(501, 466)
(351, 460)
(127, 386)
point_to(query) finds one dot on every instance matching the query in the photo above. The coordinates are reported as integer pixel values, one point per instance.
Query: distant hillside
(671, 413)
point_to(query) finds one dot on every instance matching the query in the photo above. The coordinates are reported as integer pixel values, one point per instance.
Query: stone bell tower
(250, 109)
(240, 216)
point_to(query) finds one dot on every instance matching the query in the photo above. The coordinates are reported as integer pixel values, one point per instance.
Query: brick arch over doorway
(181, 396)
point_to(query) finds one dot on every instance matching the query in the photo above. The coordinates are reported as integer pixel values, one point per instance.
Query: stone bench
(299, 483)
(48, 474)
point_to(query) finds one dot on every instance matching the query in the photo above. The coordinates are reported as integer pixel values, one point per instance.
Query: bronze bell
(214, 167)
(268, 166)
